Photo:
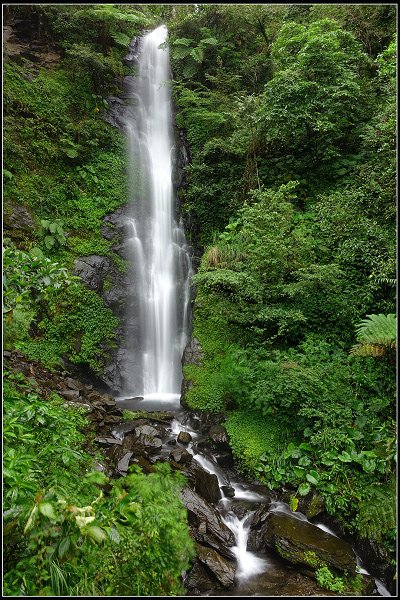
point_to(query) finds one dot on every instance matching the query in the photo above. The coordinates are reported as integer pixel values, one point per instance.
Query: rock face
(18, 220)
(205, 484)
(222, 568)
(204, 517)
(301, 543)
(92, 270)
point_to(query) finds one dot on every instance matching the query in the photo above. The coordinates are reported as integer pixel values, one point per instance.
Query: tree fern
(376, 335)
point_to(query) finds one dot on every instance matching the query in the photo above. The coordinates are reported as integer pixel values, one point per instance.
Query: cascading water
(160, 262)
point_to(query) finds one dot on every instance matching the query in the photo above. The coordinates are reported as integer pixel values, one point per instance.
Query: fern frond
(376, 335)
(377, 514)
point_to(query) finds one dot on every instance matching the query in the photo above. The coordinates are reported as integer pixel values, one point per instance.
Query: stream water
(157, 319)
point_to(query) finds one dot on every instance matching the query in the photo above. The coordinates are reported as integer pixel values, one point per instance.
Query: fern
(376, 335)
(121, 39)
(377, 514)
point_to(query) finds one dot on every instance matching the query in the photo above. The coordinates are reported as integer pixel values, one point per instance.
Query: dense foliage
(63, 535)
(290, 121)
(68, 530)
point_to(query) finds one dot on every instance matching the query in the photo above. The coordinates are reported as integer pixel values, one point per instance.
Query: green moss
(254, 438)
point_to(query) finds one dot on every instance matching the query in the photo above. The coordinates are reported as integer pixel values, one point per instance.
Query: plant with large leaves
(376, 336)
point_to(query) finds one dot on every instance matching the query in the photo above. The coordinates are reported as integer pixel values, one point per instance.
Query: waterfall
(160, 265)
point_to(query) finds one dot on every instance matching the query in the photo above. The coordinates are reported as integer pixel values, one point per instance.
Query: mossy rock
(302, 543)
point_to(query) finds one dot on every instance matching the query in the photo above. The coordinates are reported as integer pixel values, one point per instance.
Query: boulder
(123, 464)
(92, 270)
(180, 455)
(302, 543)
(107, 441)
(219, 436)
(228, 491)
(193, 354)
(205, 483)
(222, 568)
(69, 394)
(199, 579)
(184, 437)
(200, 512)
(311, 505)
(18, 217)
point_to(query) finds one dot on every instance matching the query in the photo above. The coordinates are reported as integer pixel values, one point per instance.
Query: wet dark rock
(193, 354)
(222, 568)
(123, 464)
(172, 442)
(219, 436)
(184, 437)
(145, 464)
(18, 218)
(228, 491)
(199, 579)
(311, 505)
(225, 459)
(200, 511)
(92, 270)
(293, 539)
(107, 441)
(73, 384)
(69, 394)
(204, 483)
(180, 455)
(122, 429)
(111, 419)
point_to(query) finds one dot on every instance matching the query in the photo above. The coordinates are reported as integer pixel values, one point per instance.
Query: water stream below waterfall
(158, 312)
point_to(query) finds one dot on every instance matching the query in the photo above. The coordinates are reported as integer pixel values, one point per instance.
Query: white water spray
(158, 314)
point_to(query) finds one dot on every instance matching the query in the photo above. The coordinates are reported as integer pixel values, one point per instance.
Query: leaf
(83, 521)
(311, 479)
(49, 241)
(305, 446)
(197, 53)
(345, 457)
(293, 503)
(209, 42)
(7, 174)
(299, 471)
(71, 152)
(64, 546)
(114, 536)
(96, 533)
(96, 477)
(304, 488)
(47, 510)
(53, 227)
(183, 42)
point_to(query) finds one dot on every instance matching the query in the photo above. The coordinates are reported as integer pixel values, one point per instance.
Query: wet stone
(222, 568)
(184, 437)
(180, 455)
(107, 441)
(123, 464)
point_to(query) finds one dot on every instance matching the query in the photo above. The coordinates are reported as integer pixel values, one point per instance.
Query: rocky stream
(248, 540)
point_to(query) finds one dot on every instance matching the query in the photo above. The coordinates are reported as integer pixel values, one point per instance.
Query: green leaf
(183, 42)
(304, 488)
(53, 227)
(49, 241)
(96, 533)
(47, 510)
(96, 477)
(7, 174)
(311, 479)
(64, 546)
